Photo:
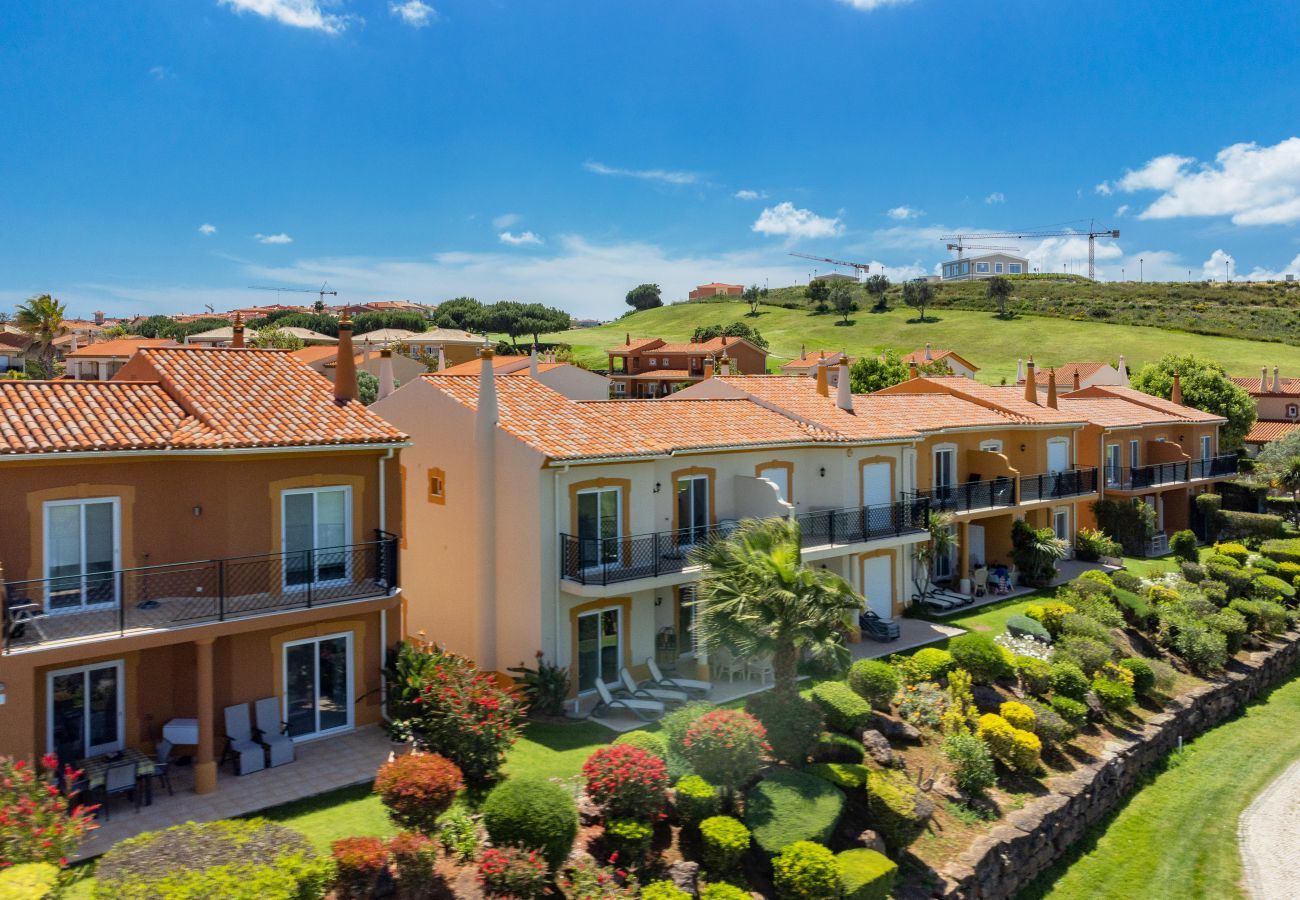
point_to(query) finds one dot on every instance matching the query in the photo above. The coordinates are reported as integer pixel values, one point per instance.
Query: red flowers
(628, 781)
(512, 872)
(726, 747)
(35, 822)
(418, 787)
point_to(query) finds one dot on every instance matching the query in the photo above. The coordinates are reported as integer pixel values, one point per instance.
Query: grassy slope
(990, 343)
(1180, 832)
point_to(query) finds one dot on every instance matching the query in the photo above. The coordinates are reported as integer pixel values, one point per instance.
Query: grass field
(991, 343)
(1177, 837)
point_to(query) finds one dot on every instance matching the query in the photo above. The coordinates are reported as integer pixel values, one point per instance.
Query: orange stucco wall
(1030, 461)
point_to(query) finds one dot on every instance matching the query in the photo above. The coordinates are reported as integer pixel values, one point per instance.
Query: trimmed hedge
(790, 806)
(897, 808)
(532, 812)
(696, 800)
(977, 653)
(1249, 526)
(648, 741)
(845, 711)
(846, 776)
(806, 870)
(1023, 626)
(725, 840)
(874, 681)
(866, 874)
(931, 663)
(29, 881)
(1282, 550)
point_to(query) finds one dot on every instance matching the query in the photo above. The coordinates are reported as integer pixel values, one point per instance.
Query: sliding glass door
(316, 526)
(318, 685)
(84, 711)
(600, 647)
(81, 553)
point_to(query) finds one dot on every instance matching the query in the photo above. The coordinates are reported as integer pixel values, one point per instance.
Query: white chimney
(1277, 381)
(442, 359)
(843, 394)
(385, 373)
(532, 363)
(1123, 370)
(725, 366)
(1020, 370)
(1263, 379)
(487, 388)
(929, 356)
(72, 348)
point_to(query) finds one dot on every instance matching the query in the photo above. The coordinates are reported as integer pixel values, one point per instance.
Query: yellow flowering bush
(1019, 715)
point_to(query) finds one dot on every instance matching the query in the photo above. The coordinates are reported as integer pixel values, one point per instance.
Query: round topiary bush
(930, 663)
(977, 653)
(897, 808)
(235, 859)
(1023, 626)
(1018, 749)
(417, 788)
(845, 711)
(529, 811)
(1035, 674)
(874, 681)
(1089, 654)
(359, 864)
(726, 841)
(1019, 715)
(793, 724)
(627, 781)
(866, 874)
(1068, 680)
(726, 747)
(806, 870)
(646, 740)
(1115, 696)
(696, 800)
(1073, 711)
(29, 881)
(1144, 677)
(789, 806)
(1270, 587)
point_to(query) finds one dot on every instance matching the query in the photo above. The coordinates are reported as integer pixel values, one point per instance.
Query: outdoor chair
(161, 765)
(761, 667)
(240, 746)
(689, 685)
(645, 710)
(632, 689)
(273, 732)
(876, 628)
(981, 581)
(725, 663)
(120, 779)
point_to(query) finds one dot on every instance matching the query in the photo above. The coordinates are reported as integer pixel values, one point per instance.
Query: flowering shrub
(961, 715)
(1019, 715)
(1020, 750)
(413, 855)
(447, 705)
(1023, 646)
(696, 800)
(512, 872)
(725, 747)
(591, 881)
(626, 780)
(35, 824)
(923, 704)
(806, 871)
(417, 788)
(629, 839)
(1049, 615)
(725, 842)
(926, 664)
(358, 864)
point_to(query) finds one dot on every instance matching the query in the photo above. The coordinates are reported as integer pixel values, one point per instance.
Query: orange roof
(1008, 399)
(918, 357)
(119, 347)
(316, 352)
(719, 284)
(499, 363)
(809, 362)
(659, 373)
(1173, 411)
(1289, 387)
(187, 398)
(629, 345)
(1266, 430)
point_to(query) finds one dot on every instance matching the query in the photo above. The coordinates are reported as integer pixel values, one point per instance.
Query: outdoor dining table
(95, 768)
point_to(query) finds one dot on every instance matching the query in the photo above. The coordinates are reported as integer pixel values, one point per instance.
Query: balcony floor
(322, 765)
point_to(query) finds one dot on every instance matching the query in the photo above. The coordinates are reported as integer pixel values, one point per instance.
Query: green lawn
(1180, 831)
(990, 343)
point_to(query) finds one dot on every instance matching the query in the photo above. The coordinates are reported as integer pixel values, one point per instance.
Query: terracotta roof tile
(1174, 411)
(1289, 387)
(1266, 430)
(918, 357)
(52, 416)
(1008, 399)
(119, 347)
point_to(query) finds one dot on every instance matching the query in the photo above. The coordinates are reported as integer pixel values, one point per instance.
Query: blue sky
(164, 154)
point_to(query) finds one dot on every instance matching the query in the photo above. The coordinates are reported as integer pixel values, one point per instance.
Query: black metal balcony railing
(970, 495)
(1139, 477)
(617, 559)
(1053, 485)
(1214, 466)
(177, 595)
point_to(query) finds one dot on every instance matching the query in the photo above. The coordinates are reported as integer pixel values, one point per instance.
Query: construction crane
(862, 268)
(320, 292)
(960, 246)
(1093, 233)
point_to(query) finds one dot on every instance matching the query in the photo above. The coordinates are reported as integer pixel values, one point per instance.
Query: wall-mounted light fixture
(822, 471)
(198, 511)
(659, 601)
(1022, 448)
(658, 487)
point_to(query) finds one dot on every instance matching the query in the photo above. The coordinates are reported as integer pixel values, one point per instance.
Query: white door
(975, 537)
(1112, 465)
(318, 691)
(84, 711)
(1206, 448)
(878, 585)
(1061, 523)
(1058, 456)
(316, 524)
(877, 489)
(693, 509)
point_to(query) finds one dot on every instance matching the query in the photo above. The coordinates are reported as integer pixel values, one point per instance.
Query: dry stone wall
(1014, 853)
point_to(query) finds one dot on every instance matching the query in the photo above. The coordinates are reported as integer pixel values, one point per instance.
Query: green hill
(989, 342)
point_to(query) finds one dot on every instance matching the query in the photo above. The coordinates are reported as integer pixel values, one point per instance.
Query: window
(318, 685)
(997, 267)
(1134, 454)
(620, 389)
(1207, 446)
(1061, 523)
(1112, 465)
(981, 268)
(82, 552)
(943, 562)
(84, 711)
(1058, 455)
(654, 362)
(693, 508)
(437, 486)
(664, 362)
(600, 525)
(945, 470)
(965, 268)
(1292, 411)
(1013, 268)
(686, 620)
(991, 446)
(315, 530)
(600, 647)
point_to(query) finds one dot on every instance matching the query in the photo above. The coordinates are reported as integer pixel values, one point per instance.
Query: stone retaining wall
(1012, 854)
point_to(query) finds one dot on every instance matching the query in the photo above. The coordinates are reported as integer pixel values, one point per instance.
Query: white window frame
(97, 749)
(618, 525)
(1013, 268)
(787, 474)
(1059, 440)
(352, 683)
(620, 389)
(284, 525)
(934, 465)
(1113, 465)
(83, 502)
(1134, 454)
(622, 636)
(981, 268)
(708, 511)
(991, 446)
(997, 268)
(1057, 513)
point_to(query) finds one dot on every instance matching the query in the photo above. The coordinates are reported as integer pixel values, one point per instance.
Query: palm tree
(1288, 479)
(940, 545)
(41, 319)
(758, 597)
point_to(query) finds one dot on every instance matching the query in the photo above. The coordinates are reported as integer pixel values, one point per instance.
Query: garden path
(1270, 840)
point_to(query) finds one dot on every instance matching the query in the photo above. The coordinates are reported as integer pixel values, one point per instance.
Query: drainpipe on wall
(485, 426)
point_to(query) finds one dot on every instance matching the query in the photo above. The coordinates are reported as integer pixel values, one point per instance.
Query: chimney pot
(929, 354)
(1263, 379)
(237, 331)
(345, 363)
(708, 368)
(913, 372)
(822, 387)
(1031, 384)
(843, 392)
(1277, 381)
(724, 364)
(1176, 394)
(532, 363)
(385, 373)
(1076, 379)
(1051, 388)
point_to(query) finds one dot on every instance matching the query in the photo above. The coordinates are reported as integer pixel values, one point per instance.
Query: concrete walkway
(1270, 840)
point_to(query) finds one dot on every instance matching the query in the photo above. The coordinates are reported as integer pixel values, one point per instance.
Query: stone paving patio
(322, 765)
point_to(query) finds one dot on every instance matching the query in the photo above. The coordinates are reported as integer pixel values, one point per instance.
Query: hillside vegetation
(993, 344)
(1264, 311)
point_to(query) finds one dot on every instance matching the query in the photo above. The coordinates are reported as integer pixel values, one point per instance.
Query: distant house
(1078, 375)
(449, 345)
(927, 355)
(986, 266)
(651, 367)
(13, 352)
(716, 289)
(223, 337)
(1277, 404)
(584, 323)
(806, 364)
(101, 361)
(323, 358)
(574, 382)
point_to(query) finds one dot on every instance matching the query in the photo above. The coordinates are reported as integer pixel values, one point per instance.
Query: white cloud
(750, 195)
(517, 240)
(785, 219)
(414, 13)
(161, 73)
(1261, 274)
(505, 220)
(666, 176)
(869, 5)
(1122, 211)
(207, 230)
(1253, 185)
(996, 197)
(904, 212)
(280, 238)
(295, 13)
(1219, 265)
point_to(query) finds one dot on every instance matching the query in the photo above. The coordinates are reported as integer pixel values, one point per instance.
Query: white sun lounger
(690, 685)
(632, 689)
(645, 710)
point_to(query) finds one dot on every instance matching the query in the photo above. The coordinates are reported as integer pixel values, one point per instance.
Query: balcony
(1058, 485)
(603, 561)
(960, 498)
(1214, 466)
(180, 595)
(1138, 478)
